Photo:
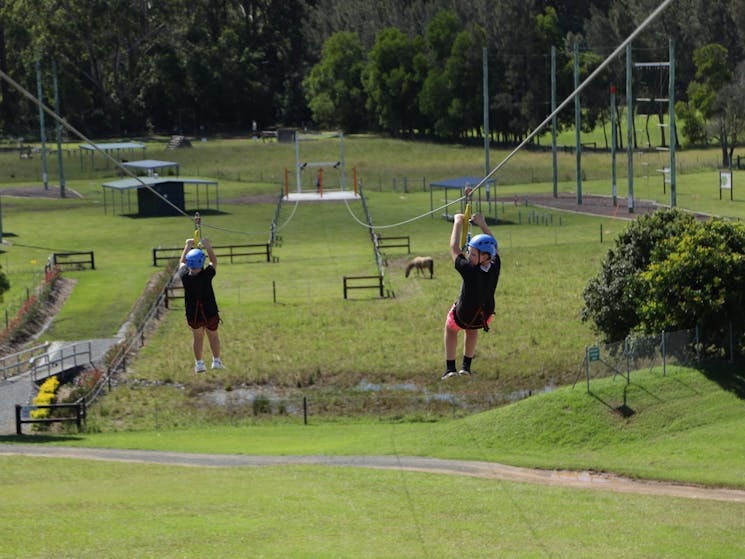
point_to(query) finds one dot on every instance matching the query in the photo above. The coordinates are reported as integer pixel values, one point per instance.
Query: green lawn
(288, 331)
(121, 510)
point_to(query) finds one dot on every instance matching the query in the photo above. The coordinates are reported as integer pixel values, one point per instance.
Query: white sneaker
(199, 367)
(217, 364)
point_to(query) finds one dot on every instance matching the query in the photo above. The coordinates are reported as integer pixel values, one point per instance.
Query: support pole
(554, 161)
(60, 163)
(629, 130)
(671, 118)
(578, 124)
(485, 72)
(42, 127)
(614, 187)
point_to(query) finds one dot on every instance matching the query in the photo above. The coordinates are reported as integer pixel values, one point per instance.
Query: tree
(4, 284)
(612, 298)
(717, 97)
(696, 278)
(334, 86)
(393, 79)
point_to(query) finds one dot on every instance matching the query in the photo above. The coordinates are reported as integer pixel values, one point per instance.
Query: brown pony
(421, 263)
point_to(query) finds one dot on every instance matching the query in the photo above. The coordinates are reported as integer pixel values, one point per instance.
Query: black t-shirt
(475, 303)
(199, 298)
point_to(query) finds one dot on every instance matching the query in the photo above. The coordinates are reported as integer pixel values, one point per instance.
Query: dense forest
(402, 67)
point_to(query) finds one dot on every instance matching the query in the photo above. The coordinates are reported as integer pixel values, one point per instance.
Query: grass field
(310, 341)
(124, 510)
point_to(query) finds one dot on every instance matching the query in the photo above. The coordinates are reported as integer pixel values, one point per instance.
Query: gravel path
(489, 470)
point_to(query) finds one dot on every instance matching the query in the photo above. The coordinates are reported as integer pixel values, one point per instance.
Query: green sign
(593, 353)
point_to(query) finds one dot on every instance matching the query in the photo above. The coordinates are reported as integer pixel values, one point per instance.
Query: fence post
(305, 410)
(19, 431)
(628, 360)
(664, 355)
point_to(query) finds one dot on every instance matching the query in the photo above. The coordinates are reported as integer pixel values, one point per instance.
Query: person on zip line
(474, 308)
(202, 314)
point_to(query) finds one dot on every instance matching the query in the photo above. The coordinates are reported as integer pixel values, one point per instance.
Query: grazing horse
(421, 263)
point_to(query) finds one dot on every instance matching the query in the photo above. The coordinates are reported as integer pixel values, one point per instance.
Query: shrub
(47, 395)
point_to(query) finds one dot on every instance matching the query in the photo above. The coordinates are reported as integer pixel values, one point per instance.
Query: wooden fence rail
(350, 282)
(74, 260)
(223, 251)
(394, 242)
(79, 417)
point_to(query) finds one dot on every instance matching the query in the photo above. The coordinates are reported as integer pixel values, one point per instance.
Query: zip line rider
(474, 308)
(202, 314)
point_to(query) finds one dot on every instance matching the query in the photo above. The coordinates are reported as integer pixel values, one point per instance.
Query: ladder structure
(667, 171)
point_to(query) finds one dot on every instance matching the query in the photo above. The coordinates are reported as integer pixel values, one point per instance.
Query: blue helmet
(484, 243)
(195, 259)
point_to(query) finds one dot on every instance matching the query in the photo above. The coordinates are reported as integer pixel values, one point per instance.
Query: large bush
(697, 278)
(613, 298)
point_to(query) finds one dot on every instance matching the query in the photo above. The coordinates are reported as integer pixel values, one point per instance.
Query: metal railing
(21, 361)
(56, 362)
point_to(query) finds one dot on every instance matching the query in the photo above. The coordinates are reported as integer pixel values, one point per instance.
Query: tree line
(413, 68)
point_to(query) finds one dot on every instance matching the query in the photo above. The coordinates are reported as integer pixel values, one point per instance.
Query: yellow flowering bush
(47, 395)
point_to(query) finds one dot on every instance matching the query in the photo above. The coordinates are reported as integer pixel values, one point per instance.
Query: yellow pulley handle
(465, 234)
(197, 230)
(464, 231)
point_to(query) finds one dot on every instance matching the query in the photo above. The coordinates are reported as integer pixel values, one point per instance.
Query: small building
(112, 149)
(458, 187)
(158, 196)
(151, 167)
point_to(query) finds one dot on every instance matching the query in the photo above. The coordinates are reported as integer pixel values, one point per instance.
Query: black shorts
(210, 323)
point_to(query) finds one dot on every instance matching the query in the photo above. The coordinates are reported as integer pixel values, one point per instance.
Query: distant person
(474, 308)
(202, 313)
(319, 180)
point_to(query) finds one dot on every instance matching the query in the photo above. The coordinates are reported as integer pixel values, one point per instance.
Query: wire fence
(645, 352)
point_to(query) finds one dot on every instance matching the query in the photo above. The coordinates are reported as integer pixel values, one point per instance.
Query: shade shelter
(457, 188)
(114, 149)
(151, 167)
(151, 191)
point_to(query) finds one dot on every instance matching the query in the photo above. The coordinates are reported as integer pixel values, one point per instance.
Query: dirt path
(489, 470)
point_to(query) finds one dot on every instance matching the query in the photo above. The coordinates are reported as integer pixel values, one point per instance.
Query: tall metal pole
(577, 123)
(485, 72)
(629, 129)
(554, 162)
(671, 118)
(341, 162)
(297, 161)
(42, 127)
(60, 162)
(614, 188)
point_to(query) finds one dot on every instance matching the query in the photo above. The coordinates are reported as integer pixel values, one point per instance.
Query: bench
(79, 417)
(394, 242)
(350, 282)
(225, 251)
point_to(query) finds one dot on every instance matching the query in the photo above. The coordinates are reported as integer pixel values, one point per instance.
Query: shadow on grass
(730, 376)
(38, 439)
(624, 410)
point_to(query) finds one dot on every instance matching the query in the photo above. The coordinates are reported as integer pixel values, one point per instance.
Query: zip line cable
(650, 18)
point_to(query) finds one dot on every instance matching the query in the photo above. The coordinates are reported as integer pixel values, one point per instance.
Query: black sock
(450, 364)
(467, 363)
